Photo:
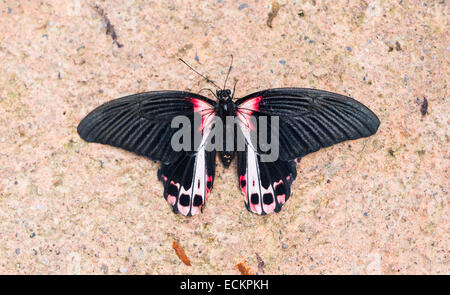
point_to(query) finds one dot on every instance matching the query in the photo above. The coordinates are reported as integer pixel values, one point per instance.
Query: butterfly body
(224, 108)
(309, 120)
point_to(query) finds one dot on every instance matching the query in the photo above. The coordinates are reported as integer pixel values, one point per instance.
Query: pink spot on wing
(171, 199)
(275, 184)
(209, 180)
(251, 104)
(281, 199)
(244, 188)
(246, 109)
(175, 184)
(256, 207)
(195, 210)
(205, 110)
(268, 208)
(183, 209)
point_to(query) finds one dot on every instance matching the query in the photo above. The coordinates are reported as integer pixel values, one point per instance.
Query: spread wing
(188, 181)
(141, 123)
(309, 119)
(266, 185)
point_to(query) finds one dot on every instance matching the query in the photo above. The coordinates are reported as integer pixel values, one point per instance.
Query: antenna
(229, 70)
(204, 77)
(209, 91)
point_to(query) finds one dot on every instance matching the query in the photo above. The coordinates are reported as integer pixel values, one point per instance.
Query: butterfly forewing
(310, 119)
(141, 123)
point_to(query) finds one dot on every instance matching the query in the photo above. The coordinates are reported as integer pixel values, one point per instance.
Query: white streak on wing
(253, 178)
(254, 181)
(246, 132)
(198, 184)
(199, 180)
(254, 184)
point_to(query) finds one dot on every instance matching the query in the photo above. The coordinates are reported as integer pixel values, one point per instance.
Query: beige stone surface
(372, 206)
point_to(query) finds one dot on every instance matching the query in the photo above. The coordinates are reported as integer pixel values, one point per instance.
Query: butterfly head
(224, 94)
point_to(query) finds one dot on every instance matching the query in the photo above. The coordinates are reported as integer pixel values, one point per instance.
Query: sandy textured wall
(376, 205)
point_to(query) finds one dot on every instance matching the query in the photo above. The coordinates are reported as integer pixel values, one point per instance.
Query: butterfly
(309, 120)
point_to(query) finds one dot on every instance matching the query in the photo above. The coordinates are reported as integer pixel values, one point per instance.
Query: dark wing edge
(266, 185)
(311, 119)
(188, 181)
(140, 123)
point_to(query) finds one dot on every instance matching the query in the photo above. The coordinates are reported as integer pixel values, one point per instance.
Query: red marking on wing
(281, 198)
(175, 184)
(171, 199)
(244, 188)
(205, 110)
(251, 104)
(246, 109)
(209, 181)
(275, 184)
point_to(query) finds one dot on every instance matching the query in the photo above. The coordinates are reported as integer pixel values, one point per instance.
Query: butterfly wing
(309, 119)
(266, 185)
(141, 123)
(188, 181)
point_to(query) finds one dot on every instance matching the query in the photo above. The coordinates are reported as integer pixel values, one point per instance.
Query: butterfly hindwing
(266, 185)
(188, 181)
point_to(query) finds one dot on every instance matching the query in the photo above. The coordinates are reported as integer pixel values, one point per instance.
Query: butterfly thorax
(225, 106)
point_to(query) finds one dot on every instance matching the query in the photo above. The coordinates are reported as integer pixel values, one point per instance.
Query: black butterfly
(309, 120)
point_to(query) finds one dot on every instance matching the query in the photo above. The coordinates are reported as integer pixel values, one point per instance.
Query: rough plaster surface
(371, 206)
